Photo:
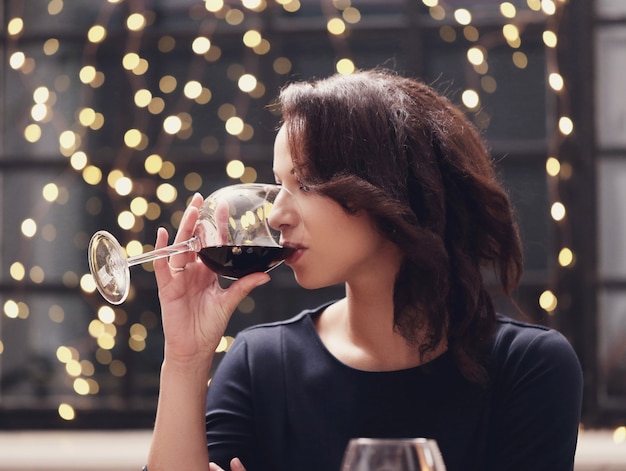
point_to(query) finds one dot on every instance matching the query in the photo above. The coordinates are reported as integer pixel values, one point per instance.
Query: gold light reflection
(66, 412)
(97, 34)
(11, 309)
(17, 271)
(566, 257)
(17, 60)
(234, 125)
(166, 193)
(345, 66)
(508, 10)
(476, 55)
(548, 7)
(29, 227)
(247, 83)
(512, 35)
(520, 60)
(51, 46)
(471, 99)
(234, 17)
(556, 81)
(192, 89)
(201, 45)
(488, 84)
(40, 112)
(553, 166)
(126, 220)
(56, 314)
(471, 33)
(252, 38)
(289, 5)
(167, 170)
(15, 26)
(136, 22)
(557, 211)
(78, 160)
(566, 125)
(336, 26)
(172, 124)
(548, 301)
(117, 368)
(235, 169)
(550, 38)
(463, 16)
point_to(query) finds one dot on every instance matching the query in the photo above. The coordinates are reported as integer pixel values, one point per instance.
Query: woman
(399, 202)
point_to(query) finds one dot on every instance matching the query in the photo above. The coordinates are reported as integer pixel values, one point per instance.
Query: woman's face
(333, 246)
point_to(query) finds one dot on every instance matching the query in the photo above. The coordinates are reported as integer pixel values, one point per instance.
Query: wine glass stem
(180, 247)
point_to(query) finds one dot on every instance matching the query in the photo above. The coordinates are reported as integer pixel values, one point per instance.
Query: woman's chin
(306, 281)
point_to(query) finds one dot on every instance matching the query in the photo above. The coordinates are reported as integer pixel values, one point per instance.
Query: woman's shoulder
(514, 334)
(537, 386)
(519, 343)
(269, 334)
(261, 350)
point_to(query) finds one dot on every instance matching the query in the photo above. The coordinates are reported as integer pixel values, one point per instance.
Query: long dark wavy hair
(393, 147)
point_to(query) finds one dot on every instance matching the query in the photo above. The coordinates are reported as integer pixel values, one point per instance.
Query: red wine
(235, 261)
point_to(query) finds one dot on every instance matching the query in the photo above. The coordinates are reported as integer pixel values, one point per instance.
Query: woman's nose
(282, 214)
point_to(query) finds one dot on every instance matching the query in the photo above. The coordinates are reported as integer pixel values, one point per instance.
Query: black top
(280, 400)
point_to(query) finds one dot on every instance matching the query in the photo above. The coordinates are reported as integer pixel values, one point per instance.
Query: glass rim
(373, 440)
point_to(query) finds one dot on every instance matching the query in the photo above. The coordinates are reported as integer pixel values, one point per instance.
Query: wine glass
(383, 454)
(232, 237)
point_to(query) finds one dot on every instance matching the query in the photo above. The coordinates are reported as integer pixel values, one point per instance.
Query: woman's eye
(302, 186)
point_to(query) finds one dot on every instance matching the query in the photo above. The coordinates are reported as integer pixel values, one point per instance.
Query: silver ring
(177, 269)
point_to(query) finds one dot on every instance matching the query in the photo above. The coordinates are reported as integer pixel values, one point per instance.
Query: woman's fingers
(185, 231)
(221, 221)
(242, 287)
(161, 270)
(236, 465)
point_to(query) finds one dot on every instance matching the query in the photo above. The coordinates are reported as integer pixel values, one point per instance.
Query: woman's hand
(195, 308)
(195, 311)
(235, 465)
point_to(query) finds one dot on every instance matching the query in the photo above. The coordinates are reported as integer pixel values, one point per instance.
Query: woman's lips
(295, 255)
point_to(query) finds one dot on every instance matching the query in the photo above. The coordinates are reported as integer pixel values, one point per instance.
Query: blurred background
(113, 113)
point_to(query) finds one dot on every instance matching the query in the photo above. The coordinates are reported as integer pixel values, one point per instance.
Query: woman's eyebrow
(292, 171)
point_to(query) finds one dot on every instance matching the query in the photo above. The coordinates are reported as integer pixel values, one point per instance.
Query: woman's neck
(359, 332)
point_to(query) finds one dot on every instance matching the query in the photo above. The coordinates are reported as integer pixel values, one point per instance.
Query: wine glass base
(109, 267)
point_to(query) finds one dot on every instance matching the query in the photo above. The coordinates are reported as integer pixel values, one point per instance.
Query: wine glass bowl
(378, 454)
(232, 236)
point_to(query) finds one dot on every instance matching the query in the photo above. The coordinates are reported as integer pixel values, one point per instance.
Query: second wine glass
(232, 237)
(381, 454)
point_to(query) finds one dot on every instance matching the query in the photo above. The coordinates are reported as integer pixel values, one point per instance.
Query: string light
(477, 57)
